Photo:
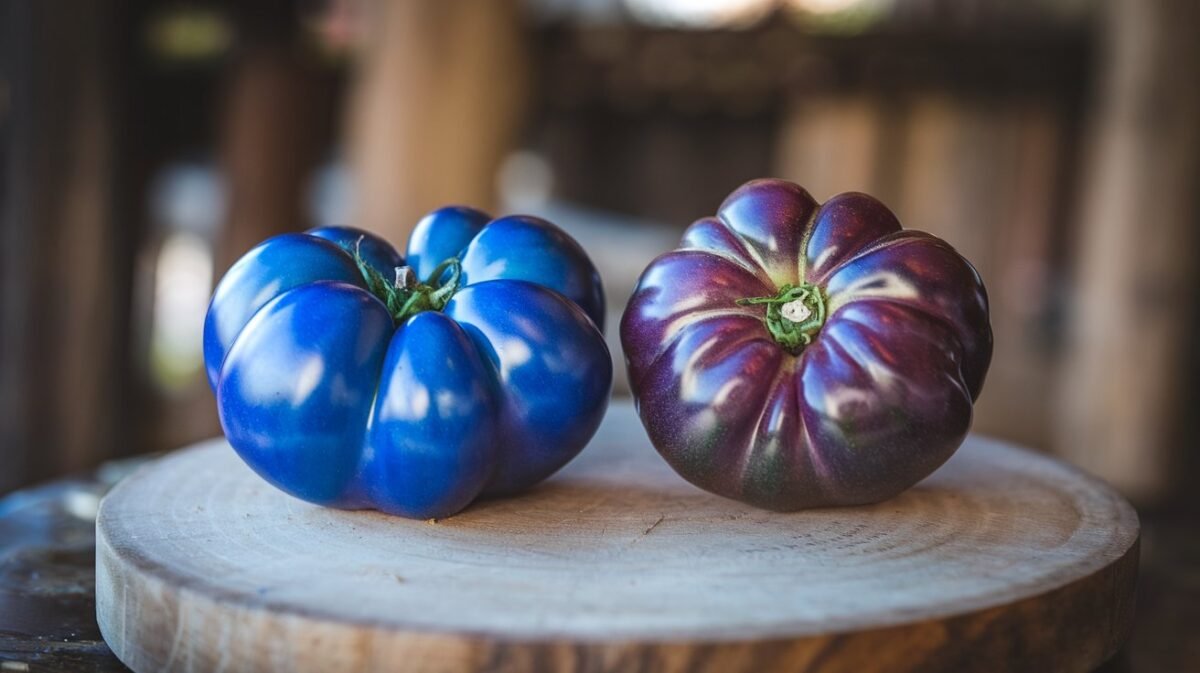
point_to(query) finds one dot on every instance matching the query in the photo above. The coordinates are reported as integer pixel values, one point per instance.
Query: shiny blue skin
(297, 386)
(443, 234)
(489, 256)
(272, 268)
(551, 368)
(326, 397)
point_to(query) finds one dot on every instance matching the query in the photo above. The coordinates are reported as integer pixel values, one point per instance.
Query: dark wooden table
(47, 605)
(47, 575)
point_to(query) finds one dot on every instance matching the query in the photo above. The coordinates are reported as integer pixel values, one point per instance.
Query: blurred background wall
(147, 145)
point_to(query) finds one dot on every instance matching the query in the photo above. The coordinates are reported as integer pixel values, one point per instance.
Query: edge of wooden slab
(1074, 626)
(1056, 630)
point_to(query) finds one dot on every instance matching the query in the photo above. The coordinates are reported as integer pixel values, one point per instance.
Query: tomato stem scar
(794, 315)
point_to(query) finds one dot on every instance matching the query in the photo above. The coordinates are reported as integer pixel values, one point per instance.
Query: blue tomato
(417, 400)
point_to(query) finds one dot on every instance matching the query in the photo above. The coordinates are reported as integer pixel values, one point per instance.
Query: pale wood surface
(1002, 560)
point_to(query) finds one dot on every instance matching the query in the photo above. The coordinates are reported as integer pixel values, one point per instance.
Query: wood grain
(1002, 560)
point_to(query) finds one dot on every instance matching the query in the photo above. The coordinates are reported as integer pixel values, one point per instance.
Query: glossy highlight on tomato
(480, 369)
(791, 354)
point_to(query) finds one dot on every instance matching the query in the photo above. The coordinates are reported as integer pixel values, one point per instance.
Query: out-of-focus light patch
(525, 181)
(839, 16)
(339, 26)
(593, 12)
(189, 34)
(82, 504)
(188, 197)
(700, 14)
(331, 195)
(182, 284)
(187, 204)
(825, 6)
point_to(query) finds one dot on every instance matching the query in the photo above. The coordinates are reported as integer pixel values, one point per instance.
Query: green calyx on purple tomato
(791, 354)
(794, 314)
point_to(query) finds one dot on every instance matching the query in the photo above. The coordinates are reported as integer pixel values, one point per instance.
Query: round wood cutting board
(1001, 560)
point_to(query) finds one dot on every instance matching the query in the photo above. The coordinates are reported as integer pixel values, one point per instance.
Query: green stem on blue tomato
(404, 299)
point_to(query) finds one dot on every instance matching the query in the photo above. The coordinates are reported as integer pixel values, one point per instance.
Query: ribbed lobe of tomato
(879, 399)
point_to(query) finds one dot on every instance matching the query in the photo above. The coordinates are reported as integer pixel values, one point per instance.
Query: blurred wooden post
(437, 105)
(274, 128)
(1124, 389)
(832, 144)
(274, 131)
(61, 255)
(980, 171)
(984, 174)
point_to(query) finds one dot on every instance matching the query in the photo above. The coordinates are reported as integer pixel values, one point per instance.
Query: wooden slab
(1002, 560)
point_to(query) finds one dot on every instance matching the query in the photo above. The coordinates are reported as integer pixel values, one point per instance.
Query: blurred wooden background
(147, 145)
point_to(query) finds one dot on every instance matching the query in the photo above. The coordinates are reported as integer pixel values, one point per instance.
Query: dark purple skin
(878, 400)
